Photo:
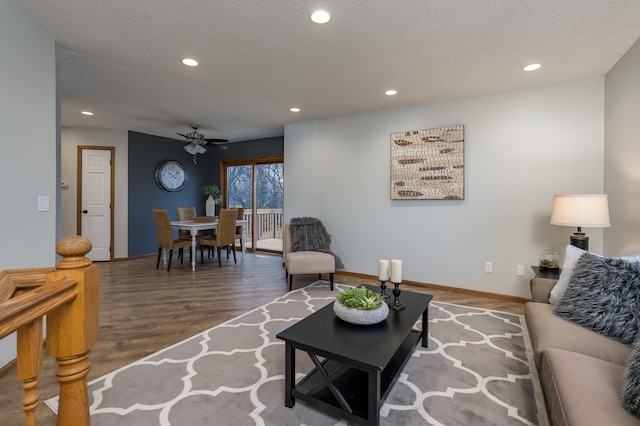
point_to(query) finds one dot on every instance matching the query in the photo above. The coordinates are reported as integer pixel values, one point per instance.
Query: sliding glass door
(258, 186)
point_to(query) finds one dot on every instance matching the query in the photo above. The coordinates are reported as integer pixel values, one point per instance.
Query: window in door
(258, 186)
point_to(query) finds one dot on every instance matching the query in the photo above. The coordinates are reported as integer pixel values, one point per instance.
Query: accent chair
(306, 262)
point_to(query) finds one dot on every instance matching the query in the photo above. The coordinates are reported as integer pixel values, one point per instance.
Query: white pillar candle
(383, 270)
(396, 271)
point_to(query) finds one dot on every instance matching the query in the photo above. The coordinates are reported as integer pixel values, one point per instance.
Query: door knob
(85, 211)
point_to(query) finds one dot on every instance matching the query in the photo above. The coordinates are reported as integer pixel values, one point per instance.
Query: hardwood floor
(143, 310)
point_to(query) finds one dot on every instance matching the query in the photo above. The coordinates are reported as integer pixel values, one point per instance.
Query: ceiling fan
(196, 142)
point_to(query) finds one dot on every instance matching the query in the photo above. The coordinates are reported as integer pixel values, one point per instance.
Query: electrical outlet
(488, 267)
(520, 270)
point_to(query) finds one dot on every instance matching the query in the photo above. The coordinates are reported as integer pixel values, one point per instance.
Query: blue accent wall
(146, 151)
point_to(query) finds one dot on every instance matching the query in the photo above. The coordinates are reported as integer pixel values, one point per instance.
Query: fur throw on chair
(309, 234)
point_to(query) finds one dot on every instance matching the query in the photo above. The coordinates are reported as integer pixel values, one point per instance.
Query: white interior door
(95, 205)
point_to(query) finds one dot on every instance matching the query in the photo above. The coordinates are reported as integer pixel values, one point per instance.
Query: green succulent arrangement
(360, 298)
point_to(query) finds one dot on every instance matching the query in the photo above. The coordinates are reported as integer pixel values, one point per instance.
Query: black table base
(343, 390)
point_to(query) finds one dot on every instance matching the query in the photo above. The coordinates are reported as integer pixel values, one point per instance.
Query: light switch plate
(43, 203)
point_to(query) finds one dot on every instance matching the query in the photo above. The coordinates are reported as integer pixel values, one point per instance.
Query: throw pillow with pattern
(630, 395)
(604, 295)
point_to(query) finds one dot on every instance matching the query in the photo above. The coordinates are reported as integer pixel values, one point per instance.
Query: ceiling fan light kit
(194, 149)
(196, 142)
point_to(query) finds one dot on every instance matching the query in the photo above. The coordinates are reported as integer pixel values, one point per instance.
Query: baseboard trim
(6, 368)
(458, 290)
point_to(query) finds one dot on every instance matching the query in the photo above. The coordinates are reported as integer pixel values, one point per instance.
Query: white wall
(71, 139)
(28, 140)
(622, 154)
(520, 149)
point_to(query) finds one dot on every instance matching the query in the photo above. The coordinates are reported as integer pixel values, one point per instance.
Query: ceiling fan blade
(196, 141)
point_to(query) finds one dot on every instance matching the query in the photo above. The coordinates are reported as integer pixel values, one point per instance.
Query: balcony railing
(269, 223)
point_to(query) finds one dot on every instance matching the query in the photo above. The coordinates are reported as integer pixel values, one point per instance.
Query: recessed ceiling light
(294, 109)
(531, 67)
(190, 62)
(87, 113)
(320, 16)
(391, 92)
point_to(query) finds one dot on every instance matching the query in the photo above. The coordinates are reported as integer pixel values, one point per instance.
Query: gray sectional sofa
(580, 370)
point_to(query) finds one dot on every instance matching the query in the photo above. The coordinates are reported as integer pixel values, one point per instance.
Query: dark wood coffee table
(360, 363)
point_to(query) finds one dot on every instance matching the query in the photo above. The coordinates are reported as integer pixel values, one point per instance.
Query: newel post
(72, 330)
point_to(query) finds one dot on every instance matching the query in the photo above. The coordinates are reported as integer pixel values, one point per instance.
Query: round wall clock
(170, 176)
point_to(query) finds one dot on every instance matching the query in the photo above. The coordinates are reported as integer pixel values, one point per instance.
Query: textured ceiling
(121, 58)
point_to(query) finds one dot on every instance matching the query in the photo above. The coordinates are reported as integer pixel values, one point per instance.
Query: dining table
(193, 226)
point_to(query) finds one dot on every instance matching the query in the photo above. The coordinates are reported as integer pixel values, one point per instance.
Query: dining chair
(165, 236)
(225, 235)
(185, 213)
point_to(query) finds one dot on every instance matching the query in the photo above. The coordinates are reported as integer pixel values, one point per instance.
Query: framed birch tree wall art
(428, 164)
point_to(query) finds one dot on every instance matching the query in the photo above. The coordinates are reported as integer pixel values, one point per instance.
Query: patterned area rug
(477, 370)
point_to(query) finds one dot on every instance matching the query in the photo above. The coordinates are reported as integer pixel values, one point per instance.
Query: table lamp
(580, 210)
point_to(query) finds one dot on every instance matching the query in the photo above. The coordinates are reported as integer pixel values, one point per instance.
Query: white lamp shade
(581, 210)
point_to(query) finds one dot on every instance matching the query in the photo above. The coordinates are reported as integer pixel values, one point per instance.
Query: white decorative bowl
(360, 317)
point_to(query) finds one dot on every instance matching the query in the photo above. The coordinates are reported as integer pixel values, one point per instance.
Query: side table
(549, 273)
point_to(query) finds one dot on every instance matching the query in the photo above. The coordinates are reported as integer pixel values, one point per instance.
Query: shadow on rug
(476, 370)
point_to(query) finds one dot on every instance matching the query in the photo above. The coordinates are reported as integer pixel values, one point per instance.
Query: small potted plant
(214, 198)
(360, 305)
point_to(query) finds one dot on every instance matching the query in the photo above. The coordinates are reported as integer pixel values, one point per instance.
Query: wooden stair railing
(68, 296)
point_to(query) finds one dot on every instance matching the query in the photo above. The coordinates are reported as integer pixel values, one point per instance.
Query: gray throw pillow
(630, 395)
(571, 256)
(604, 296)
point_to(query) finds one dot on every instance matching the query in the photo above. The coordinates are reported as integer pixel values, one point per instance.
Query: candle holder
(396, 305)
(383, 289)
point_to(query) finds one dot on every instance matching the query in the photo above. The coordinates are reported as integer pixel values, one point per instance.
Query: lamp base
(580, 240)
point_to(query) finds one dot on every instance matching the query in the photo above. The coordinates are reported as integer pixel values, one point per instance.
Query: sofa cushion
(604, 296)
(583, 391)
(630, 395)
(547, 330)
(310, 262)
